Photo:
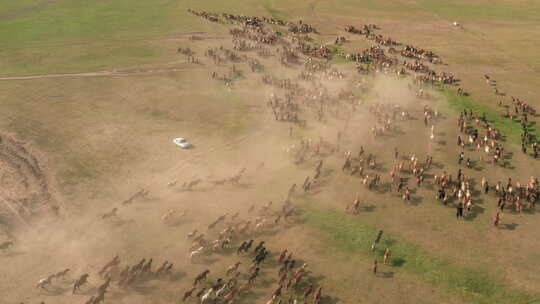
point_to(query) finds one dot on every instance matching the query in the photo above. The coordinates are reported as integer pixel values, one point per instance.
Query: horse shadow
(178, 222)
(476, 210)
(89, 292)
(244, 185)
(192, 189)
(530, 211)
(150, 199)
(56, 290)
(507, 165)
(173, 277)
(416, 200)
(369, 208)
(330, 299)
(314, 192)
(397, 262)
(387, 274)
(327, 172)
(429, 186)
(512, 226)
(380, 168)
(142, 289)
(387, 243)
(437, 165)
(11, 253)
(209, 260)
(264, 233)
(118, 222)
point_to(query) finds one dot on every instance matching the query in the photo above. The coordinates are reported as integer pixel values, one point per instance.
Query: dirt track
(99, 74)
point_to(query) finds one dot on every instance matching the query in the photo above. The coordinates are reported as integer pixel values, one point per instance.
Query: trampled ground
(102, 137)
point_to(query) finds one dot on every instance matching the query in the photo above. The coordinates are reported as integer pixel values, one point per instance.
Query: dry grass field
(94, 92)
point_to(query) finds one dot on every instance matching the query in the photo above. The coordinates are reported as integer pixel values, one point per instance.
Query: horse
(168, 214)
(192, 234)
(100, 298)
(188, 294)
(80, 282)
(91, 300)
(207, 296)
(201, 276)
(111, 214)
(220, 291)
(233, 268)
(45, 282)
(196, 253)
(61, 273)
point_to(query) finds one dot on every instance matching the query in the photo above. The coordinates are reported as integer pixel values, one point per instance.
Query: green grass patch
(274, 12)
(511, 129)
(493, 10)
(81, 20)
(351, 236)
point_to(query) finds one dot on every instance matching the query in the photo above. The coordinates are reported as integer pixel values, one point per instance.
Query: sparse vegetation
(355, 237)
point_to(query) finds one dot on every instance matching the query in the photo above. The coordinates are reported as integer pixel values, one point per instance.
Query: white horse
(260, 225)
(45, 282)
(271, 301)
(221, 290)
(207, 296)
(168, 214)
(196, 253)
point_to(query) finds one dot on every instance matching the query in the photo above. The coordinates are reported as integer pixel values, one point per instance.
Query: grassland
(354, 237)
(511, 128)
(98, 130)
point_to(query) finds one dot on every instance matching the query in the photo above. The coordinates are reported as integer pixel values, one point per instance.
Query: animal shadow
(11, 253)
(369, 208)
(387, 275)
(512, 226)
(398, 262)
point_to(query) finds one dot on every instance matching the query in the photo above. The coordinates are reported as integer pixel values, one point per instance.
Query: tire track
(113, 73)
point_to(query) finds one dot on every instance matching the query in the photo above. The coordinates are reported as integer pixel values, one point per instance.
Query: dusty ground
(103, 133)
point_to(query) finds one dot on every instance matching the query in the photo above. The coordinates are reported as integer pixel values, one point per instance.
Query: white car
(182, 143)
